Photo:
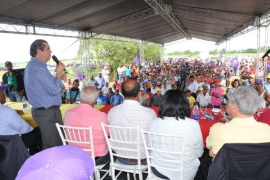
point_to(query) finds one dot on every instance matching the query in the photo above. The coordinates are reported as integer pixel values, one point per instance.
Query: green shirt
(12, 81)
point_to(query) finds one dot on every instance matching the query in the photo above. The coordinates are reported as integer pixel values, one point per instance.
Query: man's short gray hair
(246, 99)
(88, 95)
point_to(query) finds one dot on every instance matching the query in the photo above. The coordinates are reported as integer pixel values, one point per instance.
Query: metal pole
(258, 50)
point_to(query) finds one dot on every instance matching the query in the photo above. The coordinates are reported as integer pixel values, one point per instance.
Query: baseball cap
(259, 81)
(252, 76)
(158, 90)
(141, 89)
(61, 162)
(268, 76)
(200, 88)
(7, 63)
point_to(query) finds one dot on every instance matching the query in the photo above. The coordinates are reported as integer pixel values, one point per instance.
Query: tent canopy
(149, 20)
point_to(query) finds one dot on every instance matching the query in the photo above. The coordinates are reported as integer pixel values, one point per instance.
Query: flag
(79, 74)
(234, 62)
(137, 60)
(220, 56)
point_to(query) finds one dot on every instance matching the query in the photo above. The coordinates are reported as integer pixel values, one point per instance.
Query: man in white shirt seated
(130, 114)
(203, 98)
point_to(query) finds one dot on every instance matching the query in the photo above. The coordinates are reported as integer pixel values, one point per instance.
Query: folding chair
(160, 150)
(81, 137)
(124, 142)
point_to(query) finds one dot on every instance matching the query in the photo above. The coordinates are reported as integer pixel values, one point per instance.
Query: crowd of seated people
(163, 85)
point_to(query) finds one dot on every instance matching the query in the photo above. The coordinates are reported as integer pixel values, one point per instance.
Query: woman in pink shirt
(216, 93)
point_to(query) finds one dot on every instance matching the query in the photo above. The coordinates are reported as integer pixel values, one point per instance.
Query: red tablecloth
(204, 123)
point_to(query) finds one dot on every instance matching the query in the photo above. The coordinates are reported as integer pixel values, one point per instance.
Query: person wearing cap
(251, 80)
(14, 79)
(267, 83)
(44, 92)
(203, 98)
(85, 115)
(144, 99)
(11, 123)
(243, 128)
(131, 114)
(264, 96)
(157, 98)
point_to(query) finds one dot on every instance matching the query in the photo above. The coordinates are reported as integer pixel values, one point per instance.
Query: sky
(15, 47)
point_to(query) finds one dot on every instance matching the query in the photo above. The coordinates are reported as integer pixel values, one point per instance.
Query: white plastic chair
(169, 146)
(81, 136)
(126, 142)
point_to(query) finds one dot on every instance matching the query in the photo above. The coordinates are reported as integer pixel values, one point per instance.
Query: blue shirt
(42, 89)
(267, 87)
(11, 123)
(73, 94)
(101, 100)
(128, 71)
(115, 100)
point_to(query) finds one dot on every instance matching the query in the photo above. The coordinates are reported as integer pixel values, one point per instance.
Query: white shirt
(91, 83)
(105, 90)
(153, 91)
(203, 100)
(130, 114)
(100, 81)
(120, 70)
(193, 86)
(193, 145)
(164, 90)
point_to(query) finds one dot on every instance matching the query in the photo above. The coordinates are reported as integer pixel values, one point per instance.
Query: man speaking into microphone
(44, 92)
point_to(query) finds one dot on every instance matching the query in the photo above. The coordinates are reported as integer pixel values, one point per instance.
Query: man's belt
(135, 160)
(43, 108)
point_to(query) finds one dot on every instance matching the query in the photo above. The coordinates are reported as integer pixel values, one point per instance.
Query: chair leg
(97, 174)
(141, 176)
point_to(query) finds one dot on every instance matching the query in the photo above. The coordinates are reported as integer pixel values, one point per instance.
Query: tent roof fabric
(210, 20)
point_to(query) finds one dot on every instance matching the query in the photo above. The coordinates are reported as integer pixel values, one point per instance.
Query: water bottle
(196, 112)
(25, 104)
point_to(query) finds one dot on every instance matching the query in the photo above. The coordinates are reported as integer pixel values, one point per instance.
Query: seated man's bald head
(130, 88)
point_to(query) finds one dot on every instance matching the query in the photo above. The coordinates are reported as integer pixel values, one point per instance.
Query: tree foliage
(114, 53)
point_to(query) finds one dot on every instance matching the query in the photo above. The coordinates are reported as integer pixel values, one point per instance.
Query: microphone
(57, 62)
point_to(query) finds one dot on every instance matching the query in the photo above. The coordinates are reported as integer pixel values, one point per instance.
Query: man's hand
(211, 153)
(59, 69)
(19, 112)
(21, 93)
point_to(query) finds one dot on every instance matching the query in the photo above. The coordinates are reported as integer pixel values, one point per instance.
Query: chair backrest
(123, 142)
(77, 136)
(13, 154)
(164, 152)
(241, 161)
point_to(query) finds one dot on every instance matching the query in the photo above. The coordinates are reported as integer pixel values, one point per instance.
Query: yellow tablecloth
(27, 116)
